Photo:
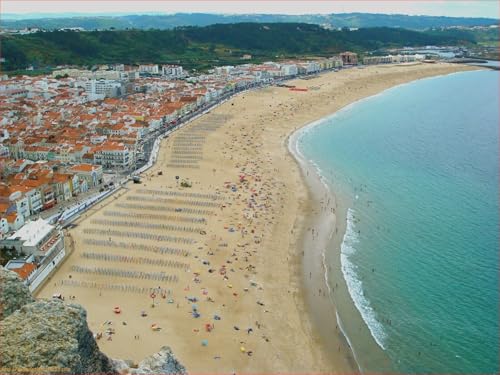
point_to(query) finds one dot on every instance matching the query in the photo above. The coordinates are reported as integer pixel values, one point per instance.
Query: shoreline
(327, 221)
(318, 189)
(275, 203)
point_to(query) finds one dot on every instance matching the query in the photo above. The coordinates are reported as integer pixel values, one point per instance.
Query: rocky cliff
(50, 336)
(46, 334)
(13, 293)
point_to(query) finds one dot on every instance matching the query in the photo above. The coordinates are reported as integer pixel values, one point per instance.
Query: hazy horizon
(465, 9)
(121, 14)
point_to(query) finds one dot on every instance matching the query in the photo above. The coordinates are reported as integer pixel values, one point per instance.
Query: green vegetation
(487, 37)
(7, 254)
(203, 47)
(170, 21)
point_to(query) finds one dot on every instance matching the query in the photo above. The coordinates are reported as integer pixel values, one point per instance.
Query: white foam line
(339, 322)
(355, 285)
(294, 149)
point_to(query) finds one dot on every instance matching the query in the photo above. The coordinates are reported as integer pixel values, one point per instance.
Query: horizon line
(163, 13)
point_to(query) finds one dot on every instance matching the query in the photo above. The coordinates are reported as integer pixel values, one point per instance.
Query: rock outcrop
(163, 362)
(13, 293)
(50, 336)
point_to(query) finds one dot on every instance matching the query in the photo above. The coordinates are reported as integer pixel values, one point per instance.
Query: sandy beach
(231, 261)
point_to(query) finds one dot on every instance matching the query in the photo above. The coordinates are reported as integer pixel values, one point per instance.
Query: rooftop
(33, 232)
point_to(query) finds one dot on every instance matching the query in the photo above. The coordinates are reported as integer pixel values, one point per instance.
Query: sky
(450, 8)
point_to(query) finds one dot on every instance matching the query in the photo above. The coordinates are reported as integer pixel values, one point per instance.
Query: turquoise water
(419, 166)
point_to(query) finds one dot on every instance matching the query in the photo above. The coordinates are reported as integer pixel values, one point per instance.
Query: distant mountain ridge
(170, 21)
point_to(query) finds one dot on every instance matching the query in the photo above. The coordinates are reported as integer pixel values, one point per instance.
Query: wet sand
(230, 247)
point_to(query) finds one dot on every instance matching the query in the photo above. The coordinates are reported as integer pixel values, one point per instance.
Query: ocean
(416, 169)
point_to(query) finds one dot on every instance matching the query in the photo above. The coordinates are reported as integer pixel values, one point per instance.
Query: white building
(82, 74)
(392, 59)
(11, 222)
(92, 174)
(35, 200)
(129, 75)
(222, 70)
(105, 87)
(289, 70)
(149, 68)
(37, 238)
(172, 71)
(4, 225)
(44, 245)
(113, 155)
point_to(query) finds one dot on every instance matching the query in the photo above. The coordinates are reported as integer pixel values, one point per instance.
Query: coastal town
(248, 188)
(71, 138)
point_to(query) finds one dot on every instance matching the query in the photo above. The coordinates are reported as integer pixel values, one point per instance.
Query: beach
(217, 253)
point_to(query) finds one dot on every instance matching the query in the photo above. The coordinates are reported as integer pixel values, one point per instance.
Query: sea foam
(354, 284)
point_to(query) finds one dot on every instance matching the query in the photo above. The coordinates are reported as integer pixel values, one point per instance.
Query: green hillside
(201, 47)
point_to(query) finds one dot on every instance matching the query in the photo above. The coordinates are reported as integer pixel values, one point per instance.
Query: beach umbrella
(204, 342)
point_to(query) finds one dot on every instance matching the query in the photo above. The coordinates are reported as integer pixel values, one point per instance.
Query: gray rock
(38, 335)
(13, 293)
(121, 366)
(47, 334)
(163, 362)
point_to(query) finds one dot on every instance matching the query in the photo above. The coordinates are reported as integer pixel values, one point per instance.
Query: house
(92, 174)
(15, 221)
(34, 196)
(48, 196)
(41, 182)
(113, 155)
(14, 199)
(349, 58)
(25, 268)
(62, 186)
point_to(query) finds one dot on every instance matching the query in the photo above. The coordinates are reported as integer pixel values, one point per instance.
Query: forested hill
(201, 47)
(170, 21)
